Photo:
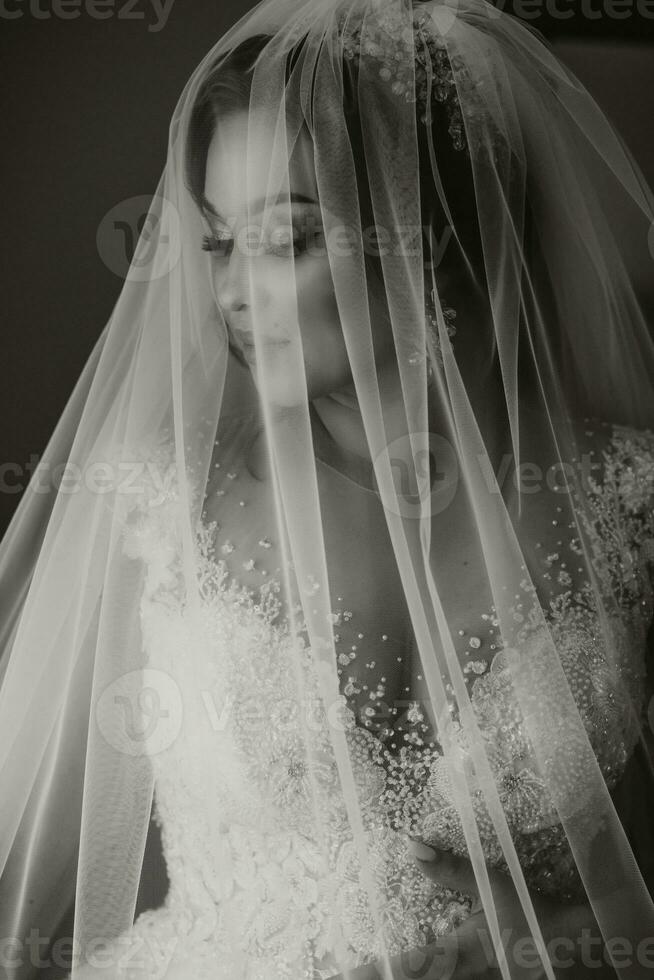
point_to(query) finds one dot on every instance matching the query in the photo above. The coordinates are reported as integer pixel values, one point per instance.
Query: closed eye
(283, 241)
(217, 243)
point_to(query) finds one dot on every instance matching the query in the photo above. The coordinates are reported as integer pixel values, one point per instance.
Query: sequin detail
(256, 890)
(605, 678)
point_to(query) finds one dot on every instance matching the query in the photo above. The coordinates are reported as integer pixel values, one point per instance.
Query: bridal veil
(467, 187)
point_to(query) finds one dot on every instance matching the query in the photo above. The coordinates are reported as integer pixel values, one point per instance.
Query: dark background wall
(84, 109)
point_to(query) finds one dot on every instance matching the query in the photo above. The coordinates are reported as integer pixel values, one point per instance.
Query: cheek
(317, 307)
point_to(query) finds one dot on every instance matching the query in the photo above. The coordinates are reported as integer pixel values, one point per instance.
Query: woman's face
(268, 275)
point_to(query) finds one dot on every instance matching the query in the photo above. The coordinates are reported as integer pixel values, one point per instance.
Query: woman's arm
(570, 933)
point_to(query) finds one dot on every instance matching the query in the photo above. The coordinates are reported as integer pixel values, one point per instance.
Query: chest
(377, 657)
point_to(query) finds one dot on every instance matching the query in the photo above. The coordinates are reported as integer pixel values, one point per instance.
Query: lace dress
(253, 894)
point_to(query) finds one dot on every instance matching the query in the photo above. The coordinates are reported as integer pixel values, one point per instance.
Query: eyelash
(213, 242)
(218, 243)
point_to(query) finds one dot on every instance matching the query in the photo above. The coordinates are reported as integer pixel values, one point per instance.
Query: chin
(280, 391)
(285, 389)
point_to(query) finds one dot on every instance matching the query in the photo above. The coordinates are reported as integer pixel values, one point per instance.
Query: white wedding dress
(253, 895)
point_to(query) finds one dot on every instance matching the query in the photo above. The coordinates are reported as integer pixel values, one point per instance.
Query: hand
(467, 953)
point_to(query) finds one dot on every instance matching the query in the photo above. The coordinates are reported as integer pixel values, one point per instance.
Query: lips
(269, 347)
(264, 342)
(246, 341)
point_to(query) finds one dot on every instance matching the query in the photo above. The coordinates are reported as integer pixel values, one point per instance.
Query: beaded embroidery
(254, 892)
(416, 62)
(619, 527)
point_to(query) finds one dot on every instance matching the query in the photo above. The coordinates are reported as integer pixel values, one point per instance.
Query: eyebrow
(257, 206)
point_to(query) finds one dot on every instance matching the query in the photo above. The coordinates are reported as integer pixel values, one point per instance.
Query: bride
(346, 592)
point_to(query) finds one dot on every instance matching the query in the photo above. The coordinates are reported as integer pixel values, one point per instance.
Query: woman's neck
(341, 415)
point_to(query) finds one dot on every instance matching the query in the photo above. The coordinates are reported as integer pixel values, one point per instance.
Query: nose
(231, 284)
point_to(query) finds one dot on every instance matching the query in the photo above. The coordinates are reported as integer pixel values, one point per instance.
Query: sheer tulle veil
(493, 302)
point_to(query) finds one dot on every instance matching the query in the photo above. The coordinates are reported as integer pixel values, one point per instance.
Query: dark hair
(226, 89)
